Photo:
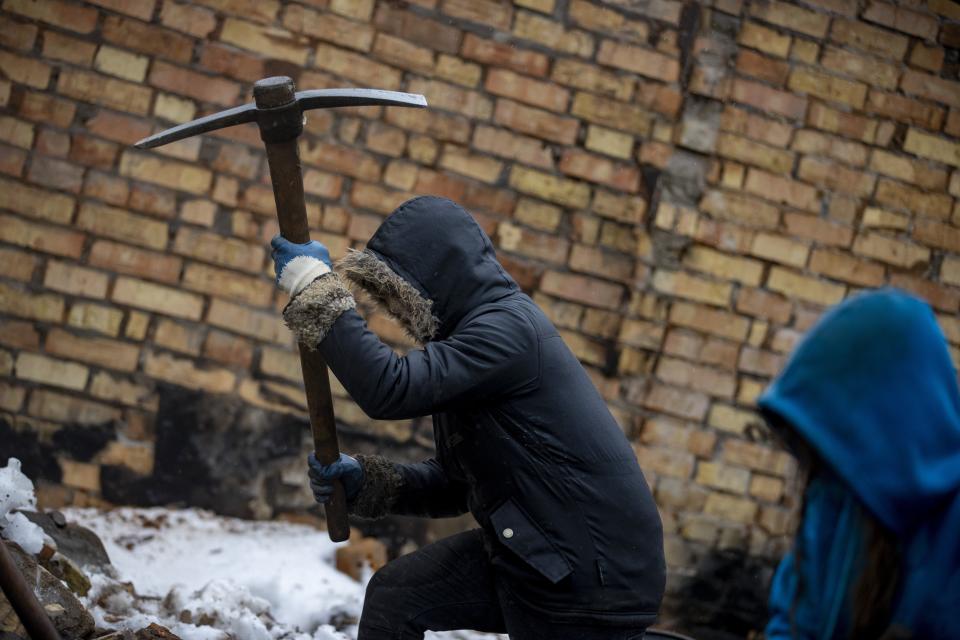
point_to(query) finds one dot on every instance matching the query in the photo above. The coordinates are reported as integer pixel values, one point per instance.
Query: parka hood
(872, 389)
(429, 264)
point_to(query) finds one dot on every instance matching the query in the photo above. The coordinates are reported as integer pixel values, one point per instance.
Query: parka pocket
(519, 533)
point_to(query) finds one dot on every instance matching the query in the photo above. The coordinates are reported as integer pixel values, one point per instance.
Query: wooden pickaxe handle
(278, 111)
(287, 178)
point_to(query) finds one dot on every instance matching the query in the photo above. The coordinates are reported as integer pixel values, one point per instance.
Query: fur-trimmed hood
(429, 264)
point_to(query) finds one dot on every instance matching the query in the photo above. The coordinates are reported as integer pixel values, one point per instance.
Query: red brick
(601, 170)
(524, 89)
(134, 261)
(900, 196)
(17, 35)
(863, 36)
(495, 13)
(931, 87)
(227, 61)
(937, 234)
(639, 60)
(228, 349)
(18, 265)
(58, 46)
(357, 67)
(792, 17)
(12, 160)
(842, 266)
(65, 15)
(120, 128)
(36, 203)
(103, 352)
(890, 15)
(759, 66)
(512, 146)
(905, 109)
(589, 77)
(842, 123)
(767, 99)
(147, 38)
(195, 85)
(535, 122)
(92, 152)
(397, 21)
(764, 304)
(612, 113)
(403, 54)
(98, 89)
(40, 237)
(42, 107)
(941, 297)
(269, 41)
(340, 159)
(503, 55)
(582, 289)
(435, 124)
(782, 189)
(329, 27)
(57, 174)
(820, 230)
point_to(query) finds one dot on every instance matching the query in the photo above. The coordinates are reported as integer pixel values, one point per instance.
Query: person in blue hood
(869, 404)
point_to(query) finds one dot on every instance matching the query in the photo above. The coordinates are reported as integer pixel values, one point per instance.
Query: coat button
(508, 533)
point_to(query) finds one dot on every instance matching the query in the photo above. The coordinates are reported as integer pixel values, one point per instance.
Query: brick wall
(683, 188)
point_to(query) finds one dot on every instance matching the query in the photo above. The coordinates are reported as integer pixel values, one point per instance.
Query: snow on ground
(207, 577)
(16, 492)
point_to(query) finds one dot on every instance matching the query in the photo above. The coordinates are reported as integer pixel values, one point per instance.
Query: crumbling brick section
(682, 187)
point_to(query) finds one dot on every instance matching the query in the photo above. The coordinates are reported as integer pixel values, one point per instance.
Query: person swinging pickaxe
(279, 112)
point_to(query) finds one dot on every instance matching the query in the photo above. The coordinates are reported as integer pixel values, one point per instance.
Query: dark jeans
(450, 585)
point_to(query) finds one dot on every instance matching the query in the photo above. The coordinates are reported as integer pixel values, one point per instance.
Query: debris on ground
(187, 574)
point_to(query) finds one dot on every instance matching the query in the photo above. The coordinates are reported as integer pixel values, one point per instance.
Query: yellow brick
(185, 373)
(723, 265)
(909, 170)
(174, 108)
(44, 307)
(766, 488)
(460, 160)
(36, 203)
(764, 39)
(612, 143)
(122, 64)
(749, 152)
(933, 147)
(538, 215)
(550, 33)
(731, 508)
(543, 6)
(16, 132)
(80, 475)
(565, 192)
(899, 196)
(723, 477)
(780, 249)
(731, 419)
(117, 223)
(861, 35)
(166, 173)
(75, 280)
(23, 70)
(212, 247)
(105, 320)
(791, 17)
(890, 250)
(357, 67)
(45, 370)
(611, 113)
(456, 70)
(792, 284)
(138, 457)
(709, 320)
(869, 70)
(265, 41)
(883, 219)
(741, 208)
(62, 408)
(683, 285)
(154, 297)
(100, 89)
(589, 77)
(828, 87)
(137, 325)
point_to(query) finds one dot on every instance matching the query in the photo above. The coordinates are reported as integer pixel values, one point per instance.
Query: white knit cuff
(299, 272)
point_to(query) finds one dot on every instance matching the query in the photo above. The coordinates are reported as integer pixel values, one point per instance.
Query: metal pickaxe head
(278, 110)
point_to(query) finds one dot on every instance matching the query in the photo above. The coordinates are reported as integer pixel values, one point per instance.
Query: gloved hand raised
(321, 475)
(297, 265)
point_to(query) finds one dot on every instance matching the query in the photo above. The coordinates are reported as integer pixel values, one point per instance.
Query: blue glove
(297, 265)
(347, 469)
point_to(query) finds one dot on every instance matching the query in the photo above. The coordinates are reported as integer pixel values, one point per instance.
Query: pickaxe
(278, 110)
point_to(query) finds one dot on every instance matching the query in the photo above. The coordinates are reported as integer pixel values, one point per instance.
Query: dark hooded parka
(523, 439)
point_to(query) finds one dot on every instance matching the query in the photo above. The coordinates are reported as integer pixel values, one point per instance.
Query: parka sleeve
(407, 489)
(495, 353)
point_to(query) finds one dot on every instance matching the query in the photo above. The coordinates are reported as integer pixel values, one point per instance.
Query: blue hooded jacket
(872, 389)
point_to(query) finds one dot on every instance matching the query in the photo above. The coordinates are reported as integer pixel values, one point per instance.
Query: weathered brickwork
(683, 189)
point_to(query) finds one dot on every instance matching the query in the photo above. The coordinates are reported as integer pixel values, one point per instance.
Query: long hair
(872, 594)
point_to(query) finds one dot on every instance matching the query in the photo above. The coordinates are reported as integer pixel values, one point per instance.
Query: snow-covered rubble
(206, 577)
(16, 492)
